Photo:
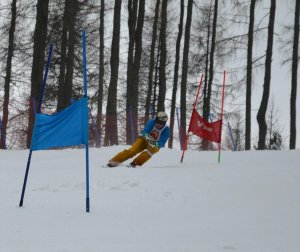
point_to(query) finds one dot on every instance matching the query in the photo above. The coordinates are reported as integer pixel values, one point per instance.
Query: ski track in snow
(248, 202)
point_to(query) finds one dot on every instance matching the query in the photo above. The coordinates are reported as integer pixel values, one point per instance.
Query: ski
(120, 165)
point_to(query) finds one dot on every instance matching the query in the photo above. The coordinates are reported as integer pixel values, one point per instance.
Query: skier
(154, 136)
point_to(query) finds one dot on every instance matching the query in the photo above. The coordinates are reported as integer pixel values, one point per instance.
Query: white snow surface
(248, 202)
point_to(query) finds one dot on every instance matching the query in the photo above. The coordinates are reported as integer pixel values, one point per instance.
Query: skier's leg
(144, 156)
(122, 156)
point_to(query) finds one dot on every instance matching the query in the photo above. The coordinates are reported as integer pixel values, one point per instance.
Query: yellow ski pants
(140, 145)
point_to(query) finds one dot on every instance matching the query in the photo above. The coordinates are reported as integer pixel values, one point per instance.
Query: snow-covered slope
(248, 202)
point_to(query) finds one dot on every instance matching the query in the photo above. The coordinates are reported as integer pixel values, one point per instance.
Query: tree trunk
(206, 60)
(111, 127)
(101, 71)
(152, 62)
(39, 39)
(261, 115)
(132, 97)
(67, 55)
(155, 81)
(163, 58)
(211, 64)
(185, 69)
(137, 63)
(132, 12)
(176, 67)
(68, 86)
(8, 73)
(249, 77)
(206, 105)
(63, 58)
(294, 78)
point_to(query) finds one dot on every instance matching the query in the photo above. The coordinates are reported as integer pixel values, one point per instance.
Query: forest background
(146, 56)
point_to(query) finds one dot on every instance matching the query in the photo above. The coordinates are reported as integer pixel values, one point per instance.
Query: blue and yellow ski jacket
(160, 135)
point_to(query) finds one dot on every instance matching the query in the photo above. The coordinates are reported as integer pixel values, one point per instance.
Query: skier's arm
(164, 137)
(148, 127)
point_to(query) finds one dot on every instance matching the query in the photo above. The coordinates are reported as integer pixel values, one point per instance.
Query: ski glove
(151, 141)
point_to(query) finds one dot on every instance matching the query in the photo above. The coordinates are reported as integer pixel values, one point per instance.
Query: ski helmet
(161, 117)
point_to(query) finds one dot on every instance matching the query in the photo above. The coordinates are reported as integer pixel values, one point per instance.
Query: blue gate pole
(152, 111)
(179, 130)
(87, 145)
(232, 139)
(33, 105)
(210, 117)
(131, 124)
(38, 111)
(98, 139)
(3, 140)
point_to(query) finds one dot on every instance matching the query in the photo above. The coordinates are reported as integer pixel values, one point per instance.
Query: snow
(248, 202)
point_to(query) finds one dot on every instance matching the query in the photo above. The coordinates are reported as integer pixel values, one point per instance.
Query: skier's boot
(132, 165)
(112, 164)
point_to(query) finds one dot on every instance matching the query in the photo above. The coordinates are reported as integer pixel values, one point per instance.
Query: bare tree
(152, 61)
(132, 17)
(176, 68)
(185, 69)
(67, 54)
(274, 141)
(207, 55)
(163, 57)
(68, 86)
(111, 127)
(261, 115)
(39, 40)
(101, 69)
(208, 84)
(8, 72)
(207, 95)
(133, 82)
(294, 78)
(249, 76)
(272, 119)
(63, 57)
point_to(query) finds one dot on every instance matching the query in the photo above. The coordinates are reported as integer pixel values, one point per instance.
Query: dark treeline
(143, 57)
